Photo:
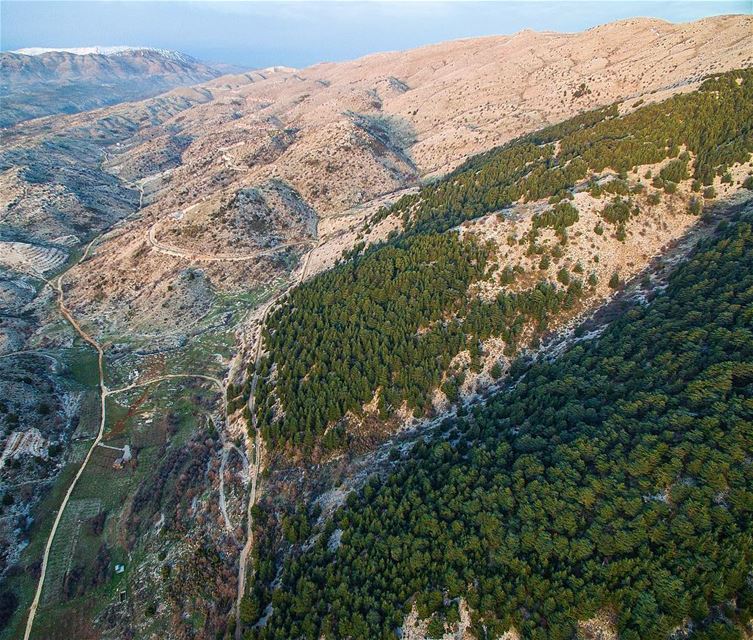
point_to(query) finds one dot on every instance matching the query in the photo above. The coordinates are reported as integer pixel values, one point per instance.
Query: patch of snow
(78, 51)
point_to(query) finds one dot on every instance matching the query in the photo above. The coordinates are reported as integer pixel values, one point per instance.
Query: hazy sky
(259, 34)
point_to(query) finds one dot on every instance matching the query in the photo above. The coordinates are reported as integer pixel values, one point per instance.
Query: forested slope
(384, 326)
(617, 477)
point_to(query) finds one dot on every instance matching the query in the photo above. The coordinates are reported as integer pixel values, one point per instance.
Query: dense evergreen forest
(391, 320)
(387, 322)
(618, 476)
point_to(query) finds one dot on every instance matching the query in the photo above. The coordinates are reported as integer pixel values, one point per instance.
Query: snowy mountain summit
(105, 51)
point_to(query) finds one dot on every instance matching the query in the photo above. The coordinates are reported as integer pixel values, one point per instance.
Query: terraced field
(59, 565)
(33, 258)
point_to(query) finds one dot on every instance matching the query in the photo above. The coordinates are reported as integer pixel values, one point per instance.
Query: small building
(124, 459)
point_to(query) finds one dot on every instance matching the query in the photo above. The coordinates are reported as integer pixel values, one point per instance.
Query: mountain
(424, 499)
(393, 345)
(116, 51)
(597, 497)
(346, 135)
(37, 82)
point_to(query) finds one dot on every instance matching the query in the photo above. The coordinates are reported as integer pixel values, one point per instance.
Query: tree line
(385, 324)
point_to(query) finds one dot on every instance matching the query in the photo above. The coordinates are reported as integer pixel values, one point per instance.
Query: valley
(237, 317)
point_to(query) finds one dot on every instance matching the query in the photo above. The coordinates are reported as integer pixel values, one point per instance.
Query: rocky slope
(202, 203)
(41, 82)
(342, 135)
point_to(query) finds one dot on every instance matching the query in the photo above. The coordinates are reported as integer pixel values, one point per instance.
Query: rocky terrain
(338, 135)
(42, 82)
(177, 218)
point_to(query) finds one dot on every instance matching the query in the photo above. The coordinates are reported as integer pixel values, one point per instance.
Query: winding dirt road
(170, 376)
(30, 352)
(243, 560)
(215, 257)
(58, 287)
(104, 392)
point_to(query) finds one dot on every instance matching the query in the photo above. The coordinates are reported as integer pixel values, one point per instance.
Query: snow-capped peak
(104, 51)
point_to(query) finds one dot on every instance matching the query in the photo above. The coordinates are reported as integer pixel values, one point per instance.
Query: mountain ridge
(48, 82)
(104, 51)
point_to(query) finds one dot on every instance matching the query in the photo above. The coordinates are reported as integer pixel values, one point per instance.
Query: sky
(297, 34)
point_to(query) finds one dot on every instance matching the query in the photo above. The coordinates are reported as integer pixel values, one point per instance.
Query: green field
(134, 419)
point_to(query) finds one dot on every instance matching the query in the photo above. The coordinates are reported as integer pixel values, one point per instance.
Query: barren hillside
(341, 135)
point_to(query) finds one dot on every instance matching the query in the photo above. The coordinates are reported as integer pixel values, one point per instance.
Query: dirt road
(103, 396)
(243, 561)
(215, 257)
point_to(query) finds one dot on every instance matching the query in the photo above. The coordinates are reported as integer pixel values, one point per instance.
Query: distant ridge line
(103, 51)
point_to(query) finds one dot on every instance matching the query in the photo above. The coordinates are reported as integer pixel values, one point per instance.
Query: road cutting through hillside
(243, 560)
(254, 473)
(58, 287)
(30, 352)
(170, 376)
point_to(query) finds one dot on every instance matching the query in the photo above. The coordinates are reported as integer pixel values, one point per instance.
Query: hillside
(474, 277)
(224, 308)
(42, 82)
(613, 485)
(488, 270)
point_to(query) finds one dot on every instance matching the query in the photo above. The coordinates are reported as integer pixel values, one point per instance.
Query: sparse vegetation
(712, 123)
